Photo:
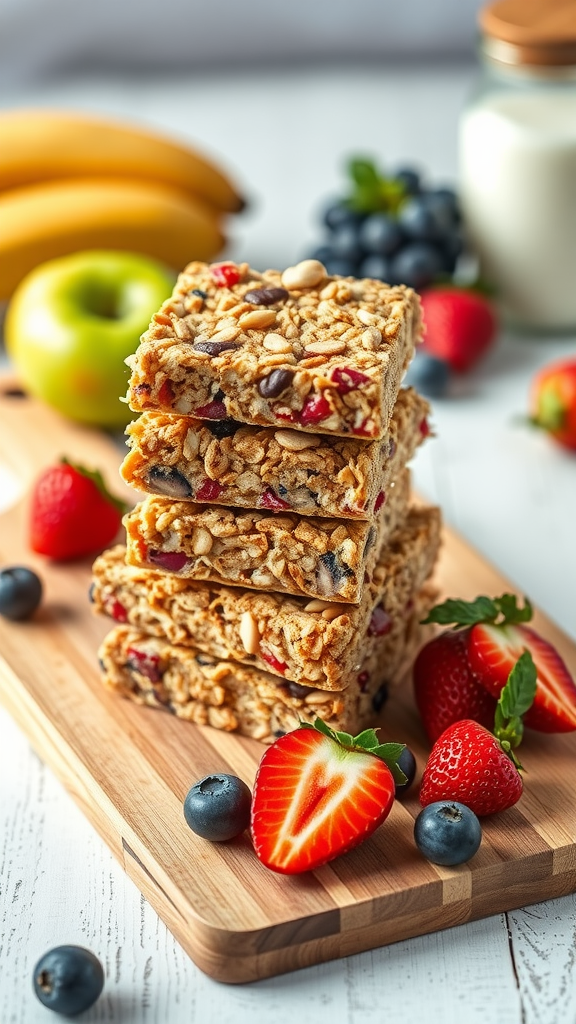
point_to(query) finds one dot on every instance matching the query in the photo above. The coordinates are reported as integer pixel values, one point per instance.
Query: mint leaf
(514, 701)
(502, 611)
(463, 613)
(363, 172)
(520, 690)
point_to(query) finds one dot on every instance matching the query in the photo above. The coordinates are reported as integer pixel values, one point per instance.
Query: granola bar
(238, 698)
(314, 643)
(299, 349)
(324, 558)
(228, 463)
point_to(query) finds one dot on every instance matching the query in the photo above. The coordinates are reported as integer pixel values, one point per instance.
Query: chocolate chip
(369, 540)
(380, 697)
(275, 383)
(282, 491)
(266, 296)
(169, 481)
(214, 348)
(297, 691)
(203, 659)
(199, 293)
(222, 428)
(278, 733)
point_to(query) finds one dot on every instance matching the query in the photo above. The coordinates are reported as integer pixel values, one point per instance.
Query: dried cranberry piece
(315, 408)
(380, 499)
(346, 379)
(266, 296)
(225, 274)
(424, 427)
(214, 348)
(212, 411)
(380, 623)
(275, 663)
(362, 430)
(288, 416)
(118, 611)
(145, 664)
(166, 394)
(172, 561)
(363, 680)
(209, 491)
(275, 383)
(270, 500)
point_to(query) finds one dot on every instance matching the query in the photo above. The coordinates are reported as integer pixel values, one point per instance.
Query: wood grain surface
(129, 769)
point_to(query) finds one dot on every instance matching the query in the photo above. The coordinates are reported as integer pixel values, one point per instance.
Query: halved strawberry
(319, 793)
(498, 636)
(494, 649)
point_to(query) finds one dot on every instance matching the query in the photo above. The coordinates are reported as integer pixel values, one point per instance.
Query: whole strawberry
(553, 402)
(459, 325)
(319, 793)
(72, 513)
(496, 634)
(445, 687)
(478, 768)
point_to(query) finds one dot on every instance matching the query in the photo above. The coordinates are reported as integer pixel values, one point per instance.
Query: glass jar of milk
(518, 166)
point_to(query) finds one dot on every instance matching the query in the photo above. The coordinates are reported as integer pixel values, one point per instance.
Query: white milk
(518, 192)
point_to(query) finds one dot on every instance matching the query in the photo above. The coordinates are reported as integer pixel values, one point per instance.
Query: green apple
(73, 321)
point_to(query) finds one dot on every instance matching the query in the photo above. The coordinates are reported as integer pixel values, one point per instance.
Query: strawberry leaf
(502, 611)
(365, 742)
(98, 480)
(515, 700)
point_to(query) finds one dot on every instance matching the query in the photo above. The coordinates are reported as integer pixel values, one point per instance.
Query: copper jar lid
(533, 32)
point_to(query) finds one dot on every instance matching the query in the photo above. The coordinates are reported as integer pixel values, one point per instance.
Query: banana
(43, 145)
(59, 217)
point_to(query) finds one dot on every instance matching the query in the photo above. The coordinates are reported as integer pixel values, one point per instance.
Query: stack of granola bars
(276, 570)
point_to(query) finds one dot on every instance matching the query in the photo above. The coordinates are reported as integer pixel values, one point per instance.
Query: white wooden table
(503, 486)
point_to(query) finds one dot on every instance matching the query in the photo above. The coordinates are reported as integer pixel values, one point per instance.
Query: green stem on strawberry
(98, 480)
(515, 700)
(365, 742)
(500, 611)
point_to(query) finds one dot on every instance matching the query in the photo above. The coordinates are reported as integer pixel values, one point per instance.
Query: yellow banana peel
(42, 221)
(47, 145)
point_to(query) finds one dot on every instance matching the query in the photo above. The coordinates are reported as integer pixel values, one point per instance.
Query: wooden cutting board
(129, 768)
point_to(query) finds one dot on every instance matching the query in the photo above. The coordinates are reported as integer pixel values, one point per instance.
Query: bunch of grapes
(392, 229)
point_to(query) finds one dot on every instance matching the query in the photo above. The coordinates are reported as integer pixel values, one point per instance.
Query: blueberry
(68, 979)
(419, 220)
(169, 481)
(343, 268)
(429, 375)
(321, 253)
(417, 264)
(20, 592)
(375, 266)
(407, 764)
(409, 178)
(447, 833)
(380, 234)
(380, 697)
(218, 807)
(338, 215)
(345, 244)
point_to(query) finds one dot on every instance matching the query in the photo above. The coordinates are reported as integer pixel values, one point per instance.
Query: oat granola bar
(228, 463)
(238, 698)
(295, 349)
(312, 642)
(324, 558)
